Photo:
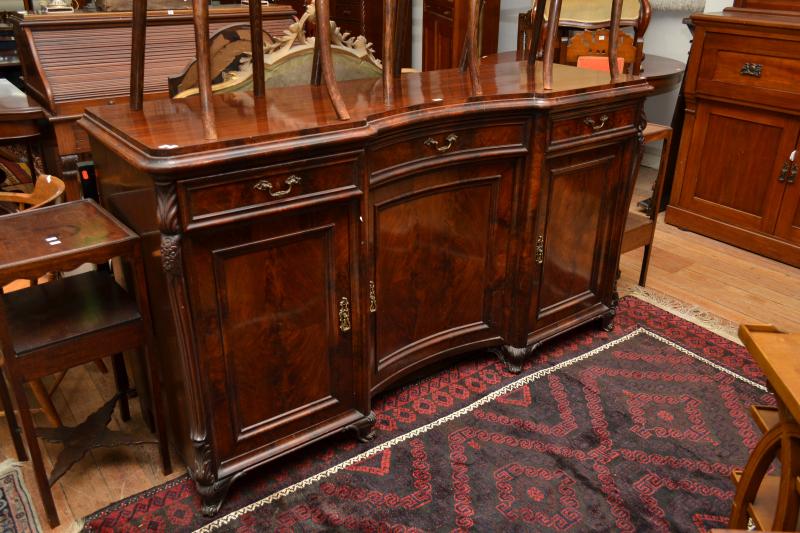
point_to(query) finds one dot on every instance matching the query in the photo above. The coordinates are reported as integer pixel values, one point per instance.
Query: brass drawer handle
(594, 125)
(451, 139)
(265, 186)
(540, 249)
(344, 315)
(751, 69)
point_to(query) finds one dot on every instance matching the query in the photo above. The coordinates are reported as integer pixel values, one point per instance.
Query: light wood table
(772, 501)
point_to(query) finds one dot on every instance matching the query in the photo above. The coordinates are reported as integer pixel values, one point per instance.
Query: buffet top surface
(166, 129)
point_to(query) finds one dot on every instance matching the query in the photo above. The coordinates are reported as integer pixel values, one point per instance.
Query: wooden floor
(732, 283)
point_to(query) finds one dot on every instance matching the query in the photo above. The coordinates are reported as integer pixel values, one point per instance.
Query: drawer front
(443, 142)
(752, 69)
(578, 126)
(270, 186)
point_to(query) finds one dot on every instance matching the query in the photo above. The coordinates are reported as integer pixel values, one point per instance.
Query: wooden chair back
(46, 191)
(584, 28)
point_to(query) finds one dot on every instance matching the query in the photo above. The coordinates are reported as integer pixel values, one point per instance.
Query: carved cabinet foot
(212, 496)
(364, 428)
(513, 358)
(607, 320)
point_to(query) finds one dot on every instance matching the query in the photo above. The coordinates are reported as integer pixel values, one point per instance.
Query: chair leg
(123, 385)
(43, 397)
(158, 412)
(11, 418)
(645, 264)
(36, 453)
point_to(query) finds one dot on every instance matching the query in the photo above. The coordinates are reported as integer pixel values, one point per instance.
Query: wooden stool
(772, 501)
(79, 319)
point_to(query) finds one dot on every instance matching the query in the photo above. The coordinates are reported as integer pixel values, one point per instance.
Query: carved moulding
(203, 466)
(287, 60)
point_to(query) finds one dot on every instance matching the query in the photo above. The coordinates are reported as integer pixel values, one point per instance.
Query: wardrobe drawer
(591, 122)
(257, 188)
(751, 69)
(444, 142)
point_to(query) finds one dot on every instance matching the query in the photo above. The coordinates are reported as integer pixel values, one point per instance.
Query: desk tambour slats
(75, 74)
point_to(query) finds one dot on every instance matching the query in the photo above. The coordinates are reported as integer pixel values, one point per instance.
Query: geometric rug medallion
(633, 430)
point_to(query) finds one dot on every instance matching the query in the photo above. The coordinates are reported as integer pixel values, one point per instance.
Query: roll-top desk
(312, 263)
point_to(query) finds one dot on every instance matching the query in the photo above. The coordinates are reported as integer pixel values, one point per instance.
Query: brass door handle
(373, 299)
(451, 139)
(266, 186)
(594, 125)
(540, 250)
(751, 69)
(784, 171)
(344, 315)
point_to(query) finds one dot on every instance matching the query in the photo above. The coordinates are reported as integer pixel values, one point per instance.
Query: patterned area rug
(17, 514)
(633, 430)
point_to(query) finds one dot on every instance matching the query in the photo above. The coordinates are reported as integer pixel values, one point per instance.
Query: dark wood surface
(735, 180)
(365, 17)
(82, 229)
(444, 27)
(776, 5)
(377, 245)
(664, 74)
(77, 319)
(16, 105)
(20, 120)
(74, 60)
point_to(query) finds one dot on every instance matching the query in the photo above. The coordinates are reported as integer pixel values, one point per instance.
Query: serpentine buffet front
(299, 264)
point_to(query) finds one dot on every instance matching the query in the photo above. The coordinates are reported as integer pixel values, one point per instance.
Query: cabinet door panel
(270, 339)
(733, 165)
(440, 244)
(581, 195)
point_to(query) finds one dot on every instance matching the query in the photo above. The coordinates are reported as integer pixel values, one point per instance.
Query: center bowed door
(439, 260)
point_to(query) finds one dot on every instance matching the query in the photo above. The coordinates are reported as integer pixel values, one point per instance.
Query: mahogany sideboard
(71, 61)
(736, 176)
(299, 264)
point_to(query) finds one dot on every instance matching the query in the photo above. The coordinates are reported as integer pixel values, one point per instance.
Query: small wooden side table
(772, 501)
(50, 328)
(19, 116)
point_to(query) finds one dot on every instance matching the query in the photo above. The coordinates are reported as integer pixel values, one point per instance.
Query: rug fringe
(689, 312)
(8, 465)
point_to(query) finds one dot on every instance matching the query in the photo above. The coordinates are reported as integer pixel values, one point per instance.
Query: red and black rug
(634, 430)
